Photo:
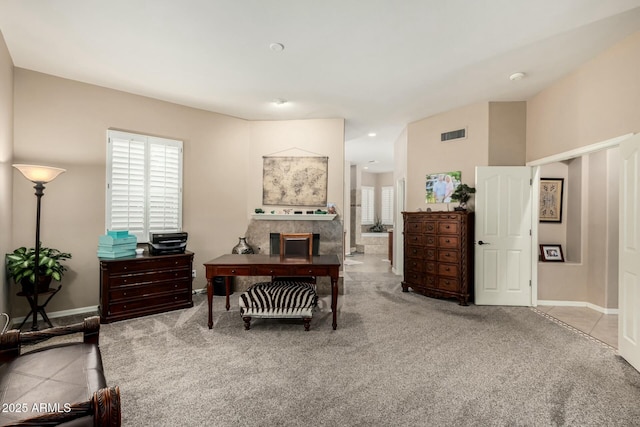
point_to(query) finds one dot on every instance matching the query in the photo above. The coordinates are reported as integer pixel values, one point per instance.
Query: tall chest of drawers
(438, 254)
(138, 286)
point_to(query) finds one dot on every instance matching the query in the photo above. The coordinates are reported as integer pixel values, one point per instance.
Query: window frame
(175, 199)
(367, 204)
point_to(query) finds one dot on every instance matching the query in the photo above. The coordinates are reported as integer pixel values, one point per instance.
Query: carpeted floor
(396, 359)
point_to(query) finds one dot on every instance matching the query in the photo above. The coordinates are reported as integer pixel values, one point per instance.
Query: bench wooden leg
(307, 323)
(247, 323)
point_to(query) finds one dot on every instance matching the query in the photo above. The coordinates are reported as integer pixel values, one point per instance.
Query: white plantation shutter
(387, 205)
(144, 184)
(367, 205)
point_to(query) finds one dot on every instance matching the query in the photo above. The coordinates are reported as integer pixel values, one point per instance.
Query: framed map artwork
(295, 181)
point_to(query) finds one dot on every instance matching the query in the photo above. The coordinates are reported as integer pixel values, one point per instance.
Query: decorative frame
(438, 189)
(295, 181)
(551, 253)
(551, 190)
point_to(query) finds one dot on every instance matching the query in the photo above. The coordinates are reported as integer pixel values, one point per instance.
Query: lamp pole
(39, 193)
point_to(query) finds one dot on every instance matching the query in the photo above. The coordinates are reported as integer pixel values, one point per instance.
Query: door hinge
(529, 283)
(530, 233)
(530, 181)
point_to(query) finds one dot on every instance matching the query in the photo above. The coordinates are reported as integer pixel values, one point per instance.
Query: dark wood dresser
(438, 254)
(142, 285)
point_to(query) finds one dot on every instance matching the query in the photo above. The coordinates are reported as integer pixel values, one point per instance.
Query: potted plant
(21, 267)
(462, 194)
(377, 226)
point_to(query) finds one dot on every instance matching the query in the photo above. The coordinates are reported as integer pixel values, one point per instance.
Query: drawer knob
(124, 294)
(233, 271)
(447, 240)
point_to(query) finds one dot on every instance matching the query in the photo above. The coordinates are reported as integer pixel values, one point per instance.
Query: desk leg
(227, 288)
(334, 300)
(210, 299)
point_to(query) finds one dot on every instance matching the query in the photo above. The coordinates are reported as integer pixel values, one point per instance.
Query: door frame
(535, 164)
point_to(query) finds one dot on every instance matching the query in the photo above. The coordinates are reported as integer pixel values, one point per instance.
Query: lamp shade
(41, 174)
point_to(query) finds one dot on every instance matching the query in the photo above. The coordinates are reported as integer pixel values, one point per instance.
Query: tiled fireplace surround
(331, 242)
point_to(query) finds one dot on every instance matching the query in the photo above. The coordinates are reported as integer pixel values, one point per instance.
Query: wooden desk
(271, 265)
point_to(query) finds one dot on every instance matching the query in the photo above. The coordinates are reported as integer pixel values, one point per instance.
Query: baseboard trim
(579, 304)
(55, 314)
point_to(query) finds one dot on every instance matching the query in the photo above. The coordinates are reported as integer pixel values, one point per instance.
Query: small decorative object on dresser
(438, 254)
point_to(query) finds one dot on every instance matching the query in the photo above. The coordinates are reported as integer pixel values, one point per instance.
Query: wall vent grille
(454, 134)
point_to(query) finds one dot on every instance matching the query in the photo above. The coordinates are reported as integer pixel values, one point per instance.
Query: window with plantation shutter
(387, 205)
(367, 205)
(144, 184)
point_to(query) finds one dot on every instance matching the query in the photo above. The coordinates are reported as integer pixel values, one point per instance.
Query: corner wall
(63, 123)
(6, 173)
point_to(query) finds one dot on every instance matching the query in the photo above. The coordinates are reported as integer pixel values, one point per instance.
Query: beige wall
(6, 173)
(597, 102)
(507, 133)
(426, 154)
(63, 123)
(321, 137)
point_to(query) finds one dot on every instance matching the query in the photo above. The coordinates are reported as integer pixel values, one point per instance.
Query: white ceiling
(379, 64)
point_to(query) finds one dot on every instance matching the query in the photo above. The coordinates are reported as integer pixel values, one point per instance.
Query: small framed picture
(551, 199)
(551, 253)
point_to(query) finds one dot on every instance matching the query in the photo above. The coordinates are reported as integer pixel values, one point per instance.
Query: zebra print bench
(279, 299)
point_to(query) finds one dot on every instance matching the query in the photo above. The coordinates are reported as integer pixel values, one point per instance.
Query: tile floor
(603, 327)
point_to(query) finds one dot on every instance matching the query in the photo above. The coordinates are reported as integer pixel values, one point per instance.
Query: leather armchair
(60, 384)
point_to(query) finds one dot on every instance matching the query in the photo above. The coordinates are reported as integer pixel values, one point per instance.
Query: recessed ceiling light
(279, 101)
(366, 167)
(517, 76)
(371, 134)
(276, 47)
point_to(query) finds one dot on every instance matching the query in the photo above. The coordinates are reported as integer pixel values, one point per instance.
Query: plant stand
(40, 308)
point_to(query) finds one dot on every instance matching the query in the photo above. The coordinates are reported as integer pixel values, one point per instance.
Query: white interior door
(629, 256)
(503, 235)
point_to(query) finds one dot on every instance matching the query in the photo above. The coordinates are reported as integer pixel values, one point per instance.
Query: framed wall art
(440, 186)
(551, 199)
(295, 181)
(551, 253)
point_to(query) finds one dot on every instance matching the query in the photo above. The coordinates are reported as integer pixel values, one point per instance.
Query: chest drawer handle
(448, 241)
(233, 271)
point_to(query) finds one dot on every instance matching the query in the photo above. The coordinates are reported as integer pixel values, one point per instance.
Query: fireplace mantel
(294, 217)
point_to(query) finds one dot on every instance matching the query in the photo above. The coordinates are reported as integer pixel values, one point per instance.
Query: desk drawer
(311, 271)
(233, 271)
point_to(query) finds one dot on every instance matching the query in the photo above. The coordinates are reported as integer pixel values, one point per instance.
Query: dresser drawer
(448, 227)
(414, 251)
(149, 277)
(414, 239)
(448, 284)
(431, 267)
(450, 270)
(449, 242)
(430, 240)
(413, 226)
(448, 255)
(414, 264)
(149, 289)
(413, 276)
(145, 304)
(430, 226)
(430, 254)
(147, 263)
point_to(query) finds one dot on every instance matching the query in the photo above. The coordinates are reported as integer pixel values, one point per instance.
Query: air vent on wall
(454, 134)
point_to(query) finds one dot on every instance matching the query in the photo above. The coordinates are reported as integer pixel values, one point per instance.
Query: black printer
(167, 243)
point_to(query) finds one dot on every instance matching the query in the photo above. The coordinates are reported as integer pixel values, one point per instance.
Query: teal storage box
(118, 234)
(108, 240)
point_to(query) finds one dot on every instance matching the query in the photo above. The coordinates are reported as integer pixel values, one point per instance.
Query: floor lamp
(39, 175)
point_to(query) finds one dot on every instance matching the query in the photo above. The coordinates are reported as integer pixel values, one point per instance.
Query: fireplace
(328, 239)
